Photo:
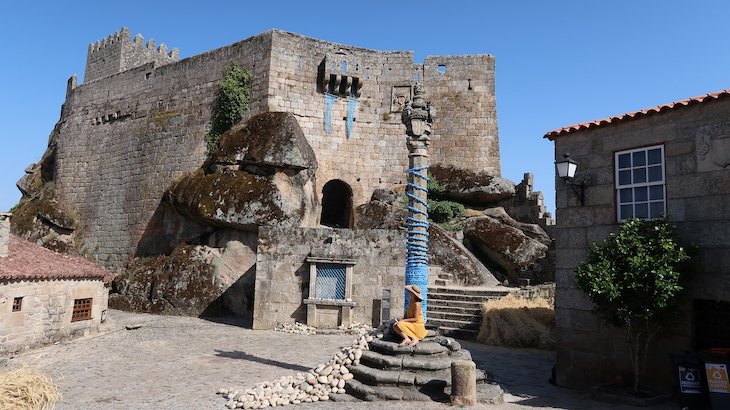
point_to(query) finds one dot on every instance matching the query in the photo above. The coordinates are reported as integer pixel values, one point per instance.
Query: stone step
(466, 334)
(477, 304)
(381, 361)
(378, 393)
(462, 317)
(487, 393)
(469, 291)
(474, 310)
(437, 379)
(468, 297)
(392, 348)
(458, 324)
(442, 282)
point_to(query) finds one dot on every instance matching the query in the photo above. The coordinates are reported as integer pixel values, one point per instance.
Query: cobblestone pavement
(180, 362)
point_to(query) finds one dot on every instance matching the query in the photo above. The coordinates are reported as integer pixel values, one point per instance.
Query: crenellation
(118, 52)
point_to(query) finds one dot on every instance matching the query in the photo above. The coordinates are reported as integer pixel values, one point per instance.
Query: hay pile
(22, 389)
(518, 322)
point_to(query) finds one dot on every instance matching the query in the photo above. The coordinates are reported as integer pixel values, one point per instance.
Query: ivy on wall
(234, 93)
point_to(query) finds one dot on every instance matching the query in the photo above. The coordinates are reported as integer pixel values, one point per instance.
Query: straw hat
(415, 290)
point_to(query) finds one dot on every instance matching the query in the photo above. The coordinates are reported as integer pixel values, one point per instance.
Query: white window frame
(649, 199)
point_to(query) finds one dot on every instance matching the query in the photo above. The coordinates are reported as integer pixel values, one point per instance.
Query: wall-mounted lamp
(566, 170)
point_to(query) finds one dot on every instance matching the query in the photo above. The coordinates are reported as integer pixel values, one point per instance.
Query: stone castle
(118, 179)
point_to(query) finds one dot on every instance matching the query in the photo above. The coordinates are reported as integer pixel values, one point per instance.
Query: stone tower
(117, 53)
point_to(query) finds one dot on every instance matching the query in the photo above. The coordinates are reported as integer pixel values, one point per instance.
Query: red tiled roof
(637, 114)
(27, 261)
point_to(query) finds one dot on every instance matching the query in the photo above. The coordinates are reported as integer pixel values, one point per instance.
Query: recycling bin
(717, 362)
(689, 370)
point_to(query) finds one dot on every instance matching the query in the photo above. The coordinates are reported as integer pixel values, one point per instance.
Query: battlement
(118, 52)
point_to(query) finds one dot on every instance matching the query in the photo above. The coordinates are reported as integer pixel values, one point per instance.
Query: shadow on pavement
(238, 321)
(245, 356)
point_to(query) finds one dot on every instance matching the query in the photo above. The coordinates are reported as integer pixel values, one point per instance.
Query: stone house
(672, 159)
(45, 296)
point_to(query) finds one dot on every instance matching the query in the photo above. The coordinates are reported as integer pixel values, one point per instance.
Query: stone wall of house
(282, 272)
(123, 139)
(697, 155)
(46, 309)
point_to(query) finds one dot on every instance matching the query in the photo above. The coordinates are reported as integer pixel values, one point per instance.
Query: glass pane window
(624, 161)
(656, 209)
(640, 183)
(626, 195)
(639, 158)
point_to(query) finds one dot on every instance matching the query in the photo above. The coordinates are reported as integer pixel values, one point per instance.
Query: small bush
(442, 211)
(518, 322)
(27, 389)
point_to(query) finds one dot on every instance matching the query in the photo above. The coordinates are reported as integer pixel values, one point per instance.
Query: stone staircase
(457, 311)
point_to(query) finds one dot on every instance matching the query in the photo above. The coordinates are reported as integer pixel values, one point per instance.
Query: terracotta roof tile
(27, 260)
(637, 114)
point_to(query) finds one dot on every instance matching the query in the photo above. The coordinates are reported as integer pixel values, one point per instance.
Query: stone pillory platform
(388, 371)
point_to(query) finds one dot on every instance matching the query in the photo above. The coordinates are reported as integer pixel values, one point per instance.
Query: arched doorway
(336, 205)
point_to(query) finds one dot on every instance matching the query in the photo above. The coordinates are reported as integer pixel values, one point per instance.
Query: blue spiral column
(417, 118)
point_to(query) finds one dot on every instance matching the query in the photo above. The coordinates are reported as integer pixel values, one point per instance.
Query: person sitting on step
(412, 327)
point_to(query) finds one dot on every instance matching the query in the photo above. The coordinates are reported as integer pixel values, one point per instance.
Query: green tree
(634, 279)
(234, 92)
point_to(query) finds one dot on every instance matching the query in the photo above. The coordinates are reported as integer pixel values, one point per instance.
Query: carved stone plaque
(713, 147)
(399, 95)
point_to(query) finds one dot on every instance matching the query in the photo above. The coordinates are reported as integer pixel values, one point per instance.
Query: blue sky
(558, 63)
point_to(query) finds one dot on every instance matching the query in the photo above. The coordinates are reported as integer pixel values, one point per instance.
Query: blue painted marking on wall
(329, 102)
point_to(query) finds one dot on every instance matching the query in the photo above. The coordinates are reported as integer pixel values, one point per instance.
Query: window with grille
(17, 304)
(640, 191)
(82, 310)
(330, 281)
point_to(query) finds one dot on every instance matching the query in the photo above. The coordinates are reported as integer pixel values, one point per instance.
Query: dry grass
(518, 322)
(22, 389)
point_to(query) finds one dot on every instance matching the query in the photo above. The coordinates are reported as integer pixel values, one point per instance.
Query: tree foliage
(634, 279)
(234, 92)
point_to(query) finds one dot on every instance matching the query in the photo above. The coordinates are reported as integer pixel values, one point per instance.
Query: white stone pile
(356, 328)
(316, 385)
(296, 328)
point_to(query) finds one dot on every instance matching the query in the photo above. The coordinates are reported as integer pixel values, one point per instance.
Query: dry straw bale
(23, 388)
(518, 322)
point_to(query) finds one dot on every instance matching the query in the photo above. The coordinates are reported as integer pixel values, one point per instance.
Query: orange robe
(417, 329)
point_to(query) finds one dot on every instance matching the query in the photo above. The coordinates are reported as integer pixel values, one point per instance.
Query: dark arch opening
(336, 204)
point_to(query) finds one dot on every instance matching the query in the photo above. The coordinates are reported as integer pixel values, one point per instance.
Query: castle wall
(124, 139)
(375, 154)
(283, 273)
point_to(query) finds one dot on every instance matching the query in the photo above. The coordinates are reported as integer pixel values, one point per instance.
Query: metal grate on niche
(330, 282)
(82, 310)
